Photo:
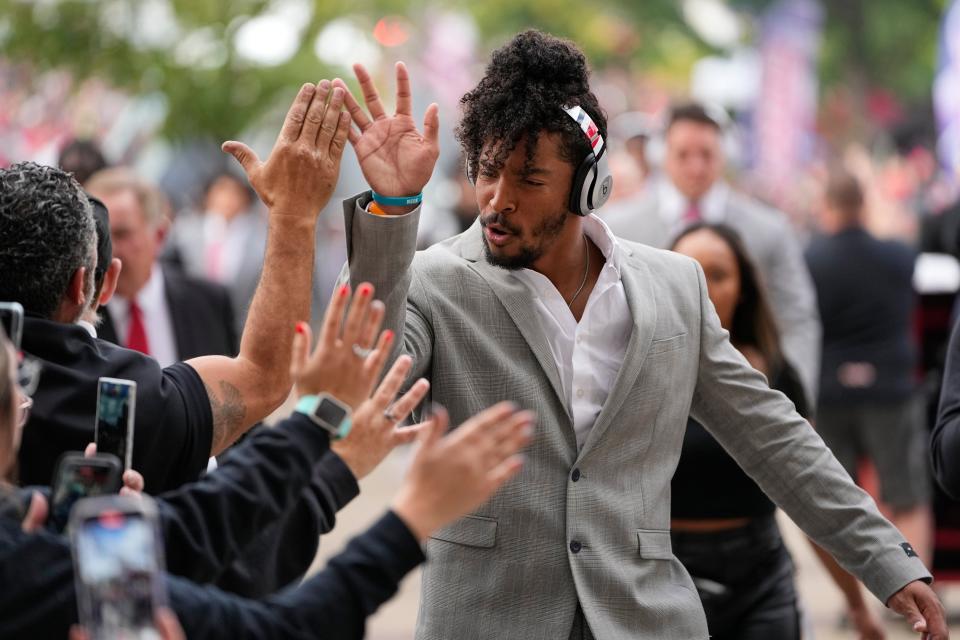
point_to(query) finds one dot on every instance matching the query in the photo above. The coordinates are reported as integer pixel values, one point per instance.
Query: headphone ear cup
(602, 186)
(579, 190)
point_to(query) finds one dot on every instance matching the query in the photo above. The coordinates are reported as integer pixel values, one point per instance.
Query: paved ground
(822, 602)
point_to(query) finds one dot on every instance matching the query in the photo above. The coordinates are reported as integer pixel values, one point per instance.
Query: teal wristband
(402, 201)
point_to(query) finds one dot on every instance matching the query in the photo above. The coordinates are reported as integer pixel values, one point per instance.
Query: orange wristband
(375, 209)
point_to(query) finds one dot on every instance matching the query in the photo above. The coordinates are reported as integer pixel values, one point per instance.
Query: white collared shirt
(588, 354)
(152, 300)
(673, 205)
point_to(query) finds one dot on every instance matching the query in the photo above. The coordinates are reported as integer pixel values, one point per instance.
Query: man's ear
(110, 282)
(76, 293)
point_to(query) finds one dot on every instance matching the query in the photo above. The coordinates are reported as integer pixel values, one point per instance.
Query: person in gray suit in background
(691, 189)
(612, 344)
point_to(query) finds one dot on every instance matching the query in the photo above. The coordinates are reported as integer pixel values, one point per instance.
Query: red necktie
(692, 214)
(137, 335)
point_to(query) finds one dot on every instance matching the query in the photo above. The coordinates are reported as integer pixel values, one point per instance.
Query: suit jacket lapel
(178, 308)
(638, 287)
(518, 302)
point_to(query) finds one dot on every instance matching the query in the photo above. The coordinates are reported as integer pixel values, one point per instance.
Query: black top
(206, 525)
(945, 440)
(709, 484)
(866, 299)
(173, 426)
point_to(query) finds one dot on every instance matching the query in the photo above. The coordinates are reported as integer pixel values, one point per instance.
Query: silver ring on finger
(360, 352)
(388, 414)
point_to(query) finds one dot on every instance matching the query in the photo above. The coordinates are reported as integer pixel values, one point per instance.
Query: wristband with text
(392, 201)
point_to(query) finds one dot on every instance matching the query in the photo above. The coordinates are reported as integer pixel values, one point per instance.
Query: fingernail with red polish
(344, 291)
(365, 290)
(301, 328)
(388, 335)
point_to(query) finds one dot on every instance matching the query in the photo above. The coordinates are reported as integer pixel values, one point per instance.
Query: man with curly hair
(611, 343)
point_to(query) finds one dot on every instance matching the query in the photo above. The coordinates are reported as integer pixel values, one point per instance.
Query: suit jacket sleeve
(794, 302)
(773, 444)
(209, 524)
(945, 441)
(380, 250)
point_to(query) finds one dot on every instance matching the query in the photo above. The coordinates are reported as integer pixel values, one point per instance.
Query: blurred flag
(946, 90)
(785, 114)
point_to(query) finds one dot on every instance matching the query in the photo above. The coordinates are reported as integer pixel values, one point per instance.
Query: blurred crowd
(840, 289)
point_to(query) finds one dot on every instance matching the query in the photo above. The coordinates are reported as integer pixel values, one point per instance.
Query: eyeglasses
(23, 409)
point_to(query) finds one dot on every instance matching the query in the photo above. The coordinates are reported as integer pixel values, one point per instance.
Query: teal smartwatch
(328, 413)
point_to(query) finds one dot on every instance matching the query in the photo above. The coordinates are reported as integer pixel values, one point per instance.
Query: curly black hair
(46, 234)
(527, 83)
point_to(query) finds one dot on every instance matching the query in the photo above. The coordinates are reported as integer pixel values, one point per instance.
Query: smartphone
(11, 318)
(118, 566)
(116, 407)
(79, 477)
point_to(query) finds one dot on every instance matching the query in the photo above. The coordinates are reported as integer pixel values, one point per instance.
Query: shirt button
(575, 546)
(579, 339)
(575, 475)
(579, 393)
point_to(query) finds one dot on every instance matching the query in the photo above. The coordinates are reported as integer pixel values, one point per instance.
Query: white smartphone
(118, 566)
(11, 318)
(116, 409)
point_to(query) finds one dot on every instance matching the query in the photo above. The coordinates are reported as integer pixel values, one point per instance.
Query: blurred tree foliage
(213, 91)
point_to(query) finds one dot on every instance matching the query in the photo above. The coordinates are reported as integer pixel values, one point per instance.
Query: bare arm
(295, 183)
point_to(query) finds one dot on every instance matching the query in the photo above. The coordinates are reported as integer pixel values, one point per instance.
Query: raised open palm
(396, 159)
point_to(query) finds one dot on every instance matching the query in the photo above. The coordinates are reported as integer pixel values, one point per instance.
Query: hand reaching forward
(452, 475)
(395, 158)
(345, 363)
(299, 176)
(376, 427)
(920, 606)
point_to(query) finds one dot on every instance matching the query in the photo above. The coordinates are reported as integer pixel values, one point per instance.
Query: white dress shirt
(152, 300)
(673, 205)
(588, 354)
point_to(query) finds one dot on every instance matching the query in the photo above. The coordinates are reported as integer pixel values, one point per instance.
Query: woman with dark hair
(723, 526)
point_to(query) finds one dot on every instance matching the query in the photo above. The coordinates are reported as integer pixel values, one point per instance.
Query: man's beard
(542, 238)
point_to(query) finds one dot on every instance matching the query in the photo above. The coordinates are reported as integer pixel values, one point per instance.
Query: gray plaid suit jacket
(517, 567)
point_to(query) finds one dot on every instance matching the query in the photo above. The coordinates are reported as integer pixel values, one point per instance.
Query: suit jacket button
(575, 475)
(575, 546)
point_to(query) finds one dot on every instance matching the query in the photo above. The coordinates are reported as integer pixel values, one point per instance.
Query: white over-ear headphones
(592, 181)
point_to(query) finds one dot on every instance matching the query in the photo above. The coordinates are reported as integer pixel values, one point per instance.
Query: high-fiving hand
(350, 353)
(299, 176)
(396, 159)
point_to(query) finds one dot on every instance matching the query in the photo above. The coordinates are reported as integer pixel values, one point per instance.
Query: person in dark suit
(868, 405)
(156, 309)
(201, 314)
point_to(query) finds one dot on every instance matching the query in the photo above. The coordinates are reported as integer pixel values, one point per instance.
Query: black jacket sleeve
(945, 440)
(334, 603)
(284, 550)
(211, 523)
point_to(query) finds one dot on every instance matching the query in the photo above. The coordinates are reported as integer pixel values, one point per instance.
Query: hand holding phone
(118, 559)
(116, 408)
(78, 476)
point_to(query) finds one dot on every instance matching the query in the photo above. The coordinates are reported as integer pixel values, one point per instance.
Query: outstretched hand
(350, 352)
(377, 424)
(396, 159)
(452, 475)
(299, 176)
(920, 606)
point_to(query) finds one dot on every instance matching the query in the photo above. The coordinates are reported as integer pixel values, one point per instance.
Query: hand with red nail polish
(350, 353)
